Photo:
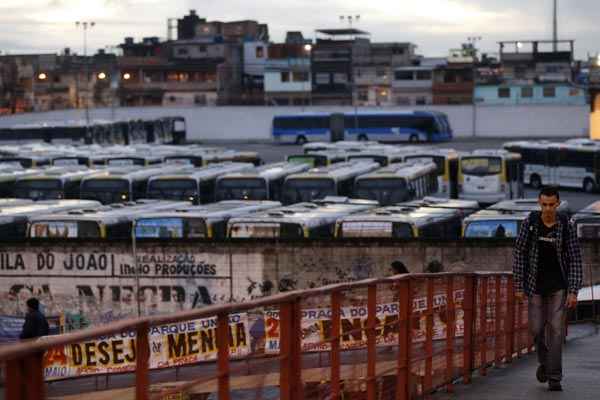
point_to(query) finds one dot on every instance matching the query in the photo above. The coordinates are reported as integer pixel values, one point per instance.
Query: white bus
(490, 176)
(560, 164)
(397, 182)
(447, 168)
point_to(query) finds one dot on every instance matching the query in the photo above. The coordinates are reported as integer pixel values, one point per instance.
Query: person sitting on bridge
(548, 270)
(35, 324)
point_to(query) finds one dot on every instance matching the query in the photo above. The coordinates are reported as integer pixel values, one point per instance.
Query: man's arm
(575, 259)
(520, 257)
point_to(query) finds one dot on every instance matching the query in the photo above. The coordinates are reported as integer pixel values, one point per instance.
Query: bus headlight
(123, 196)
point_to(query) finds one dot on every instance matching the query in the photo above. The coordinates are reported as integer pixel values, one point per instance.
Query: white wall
(254, 123)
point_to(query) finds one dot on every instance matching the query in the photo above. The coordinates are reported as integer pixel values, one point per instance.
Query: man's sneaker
(541, 374)
(554, 386)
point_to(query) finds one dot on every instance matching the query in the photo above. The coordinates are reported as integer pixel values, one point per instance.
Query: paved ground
(517, 381)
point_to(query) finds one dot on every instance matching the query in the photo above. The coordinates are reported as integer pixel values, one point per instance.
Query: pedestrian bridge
(394, 338)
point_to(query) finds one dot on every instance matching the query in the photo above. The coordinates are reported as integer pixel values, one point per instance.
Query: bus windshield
(313, 161)
(438, 160)
(172, 189)
(300, 190)
(386, 191)
(105, 191)
(160, 228)
(65, 229)
(492, 229)
(373, 229)
(242, 189)
(481, 166)
(39, 189)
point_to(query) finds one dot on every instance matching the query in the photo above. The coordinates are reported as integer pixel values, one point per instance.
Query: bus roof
(342, 170)
(137, 172)
(214, 211)
(524, 205)
(7, 215)
(64, 174)
(308, 214)
(269, 171)
(407, 170)
(208, 172)
(501, 153)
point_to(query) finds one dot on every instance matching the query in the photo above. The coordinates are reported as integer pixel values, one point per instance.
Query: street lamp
(102, 76)
(126, 76)
(308, 49)
(42, 76)
(85, 25)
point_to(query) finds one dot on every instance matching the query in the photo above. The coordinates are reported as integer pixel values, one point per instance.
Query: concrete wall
(98, 280)
(254, 123)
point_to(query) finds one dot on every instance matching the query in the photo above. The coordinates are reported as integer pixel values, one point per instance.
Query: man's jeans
(547, 325)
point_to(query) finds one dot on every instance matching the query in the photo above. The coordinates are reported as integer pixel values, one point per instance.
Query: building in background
(453, 82)
(287, 79)
(534, 72)
(413, 85)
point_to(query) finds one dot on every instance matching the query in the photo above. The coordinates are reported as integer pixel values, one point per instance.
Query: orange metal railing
(437, 328)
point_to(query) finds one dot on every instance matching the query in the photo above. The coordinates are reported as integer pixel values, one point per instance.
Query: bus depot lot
(275, 152)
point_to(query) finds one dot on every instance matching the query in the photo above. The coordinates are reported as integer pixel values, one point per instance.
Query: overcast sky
(28, 26)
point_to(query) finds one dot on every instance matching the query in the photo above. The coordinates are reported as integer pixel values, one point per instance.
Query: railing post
(25, 378)
(14, 379)
(519, 326)
(223, 355)
(483, 331)
(497, 319)
(142, 380)
(335, 343)
(404, 340)
(468, 310)
(510, 320)
(428, 381)
(371, 346)
(450, 332)
(290, 382)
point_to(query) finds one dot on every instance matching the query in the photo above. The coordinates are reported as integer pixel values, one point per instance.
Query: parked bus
(27, 161)
(317, 183)
(108, 222)
(263, 183)
(446, 161)
(398, 182)
(9, 175)
(54, 184)
(348, 146)
(587, 221)
(13, 220)
(318, 158)
(195, 185)
(412, 126)
(427, 219)
(299, 221)
(503, 219)
(197, 222)
(382, 156)
(489, 176)
(122, 184)
(559, 164)
(143, 161)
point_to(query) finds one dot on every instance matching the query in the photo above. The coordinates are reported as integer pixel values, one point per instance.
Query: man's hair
(399, 267)
(33, 303)
(549, 191)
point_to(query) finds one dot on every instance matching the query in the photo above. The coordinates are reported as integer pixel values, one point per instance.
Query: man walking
(35, 324)
(548, 270)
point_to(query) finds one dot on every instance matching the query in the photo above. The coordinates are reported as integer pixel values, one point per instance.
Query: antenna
(555, 27)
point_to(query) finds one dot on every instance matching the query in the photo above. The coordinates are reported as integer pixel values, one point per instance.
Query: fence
(391, 338)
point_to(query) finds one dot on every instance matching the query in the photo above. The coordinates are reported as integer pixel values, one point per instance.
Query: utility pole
(555, 27)
(85, 25)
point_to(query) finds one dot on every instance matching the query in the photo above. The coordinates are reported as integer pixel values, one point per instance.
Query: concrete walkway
(581, 367)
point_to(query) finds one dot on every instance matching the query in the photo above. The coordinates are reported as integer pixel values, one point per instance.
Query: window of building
(182, 51)
(363, 95)
(300, 76)
(285, 76)
(398, 50)
(504, 93)
(403, 75)
(421, 101)
(520, 72)
(527, 92)
(202, 48)
(260, 52)
(403, 101)
(423, 75)
(358, 72)
(573, 92)
(322, 78)
(550, 91)
(380, 72)
(340, 78)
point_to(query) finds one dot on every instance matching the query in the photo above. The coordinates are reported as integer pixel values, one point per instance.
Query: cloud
(434, 25)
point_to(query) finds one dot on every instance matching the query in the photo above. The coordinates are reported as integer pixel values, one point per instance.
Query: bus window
(299, 190)
(255, 230)
(159, 228)
(385, 191)
(481, 166)
(491, 229)
(39, 189)
(106, 190)
(173, 189)
(242, 189)
(63, 229)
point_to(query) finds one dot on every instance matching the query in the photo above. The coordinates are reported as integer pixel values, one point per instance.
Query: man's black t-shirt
(550, 278)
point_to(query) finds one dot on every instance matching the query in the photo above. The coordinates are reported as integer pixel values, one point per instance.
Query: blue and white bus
(409, 126)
